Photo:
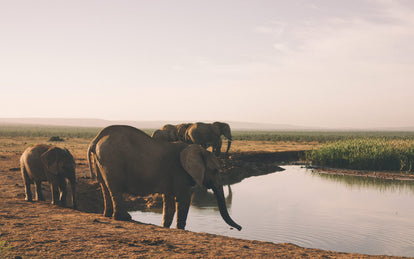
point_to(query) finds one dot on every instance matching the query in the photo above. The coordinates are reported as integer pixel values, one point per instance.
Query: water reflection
(331, 212)
(202, 199)
(362, 182)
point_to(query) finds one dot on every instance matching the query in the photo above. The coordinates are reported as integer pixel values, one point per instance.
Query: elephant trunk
(228, 147)
(218, 192)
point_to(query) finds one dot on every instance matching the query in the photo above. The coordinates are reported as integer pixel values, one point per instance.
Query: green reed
(367, 154)
(318, 136)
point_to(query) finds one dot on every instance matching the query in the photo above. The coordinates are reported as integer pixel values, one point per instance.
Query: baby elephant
(48, 163)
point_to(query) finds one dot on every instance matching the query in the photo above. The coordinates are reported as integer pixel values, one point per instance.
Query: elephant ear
(216, 129)
(50, 160)
(192, 161)
(211, 161)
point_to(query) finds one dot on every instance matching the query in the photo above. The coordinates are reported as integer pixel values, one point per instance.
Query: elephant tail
(91, 151)
(91, 155)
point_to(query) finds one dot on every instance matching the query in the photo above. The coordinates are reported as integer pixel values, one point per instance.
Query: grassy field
(51, 131)
(371, 150)
(295, 136)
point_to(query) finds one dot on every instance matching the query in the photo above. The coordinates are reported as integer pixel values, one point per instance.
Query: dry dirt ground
(41, 230)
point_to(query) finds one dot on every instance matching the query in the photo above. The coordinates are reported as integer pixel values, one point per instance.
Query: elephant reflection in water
(204, 198)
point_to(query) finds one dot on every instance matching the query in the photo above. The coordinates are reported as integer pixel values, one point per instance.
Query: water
(339, 213)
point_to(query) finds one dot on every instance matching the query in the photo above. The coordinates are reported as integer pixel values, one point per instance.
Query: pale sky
(326, 63)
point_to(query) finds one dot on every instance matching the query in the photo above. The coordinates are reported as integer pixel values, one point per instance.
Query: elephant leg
(73, 189)
(183, 205)
(38, 187)
(217, 148)
(119, 209)
(62, 191)
(168, 210)
(27, 183)
(113, 190)
(55, 192)
(108, 210)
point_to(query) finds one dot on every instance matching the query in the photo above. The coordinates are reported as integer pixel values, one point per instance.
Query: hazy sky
(330, 63)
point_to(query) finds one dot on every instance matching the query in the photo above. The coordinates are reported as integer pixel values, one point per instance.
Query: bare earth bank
(41, 230)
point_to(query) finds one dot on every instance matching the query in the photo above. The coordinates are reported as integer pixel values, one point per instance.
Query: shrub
(56, 139)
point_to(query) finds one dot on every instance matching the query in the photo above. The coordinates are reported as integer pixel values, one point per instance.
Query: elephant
(181, 129)
(172, 131)
(129, 161)
(49, 163)
(164, 135)
(209, 134)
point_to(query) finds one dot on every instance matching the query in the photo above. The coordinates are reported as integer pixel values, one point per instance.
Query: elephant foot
(181, 226)
(59, 203)
(28, 199)
(108, 213)
(122, 216)
(75, 207)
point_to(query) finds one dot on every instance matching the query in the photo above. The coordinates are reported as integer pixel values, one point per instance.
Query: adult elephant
(128, 160)
(207, 135)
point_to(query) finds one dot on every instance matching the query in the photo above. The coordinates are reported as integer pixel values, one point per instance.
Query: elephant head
(204, 168)
(60, 165)
(164, 135)
(224, 129)
(171, 130)
(59, 162)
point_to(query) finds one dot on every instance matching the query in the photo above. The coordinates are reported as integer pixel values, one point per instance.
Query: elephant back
(202, 133)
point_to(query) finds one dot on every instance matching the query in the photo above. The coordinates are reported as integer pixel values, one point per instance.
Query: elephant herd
(124, 159)
(204, 134)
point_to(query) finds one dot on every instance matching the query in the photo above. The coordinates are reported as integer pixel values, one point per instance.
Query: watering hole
(332, 212)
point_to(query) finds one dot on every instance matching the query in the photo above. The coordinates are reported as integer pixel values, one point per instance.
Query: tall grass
(318, 136)
(367, 154)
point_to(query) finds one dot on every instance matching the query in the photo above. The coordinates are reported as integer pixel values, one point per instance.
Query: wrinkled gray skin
(129, 161)
(52, 164)
(164, 135)
(209, 135)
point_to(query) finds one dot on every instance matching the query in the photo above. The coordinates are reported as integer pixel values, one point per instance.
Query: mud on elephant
(52, 164)
(129, 161)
